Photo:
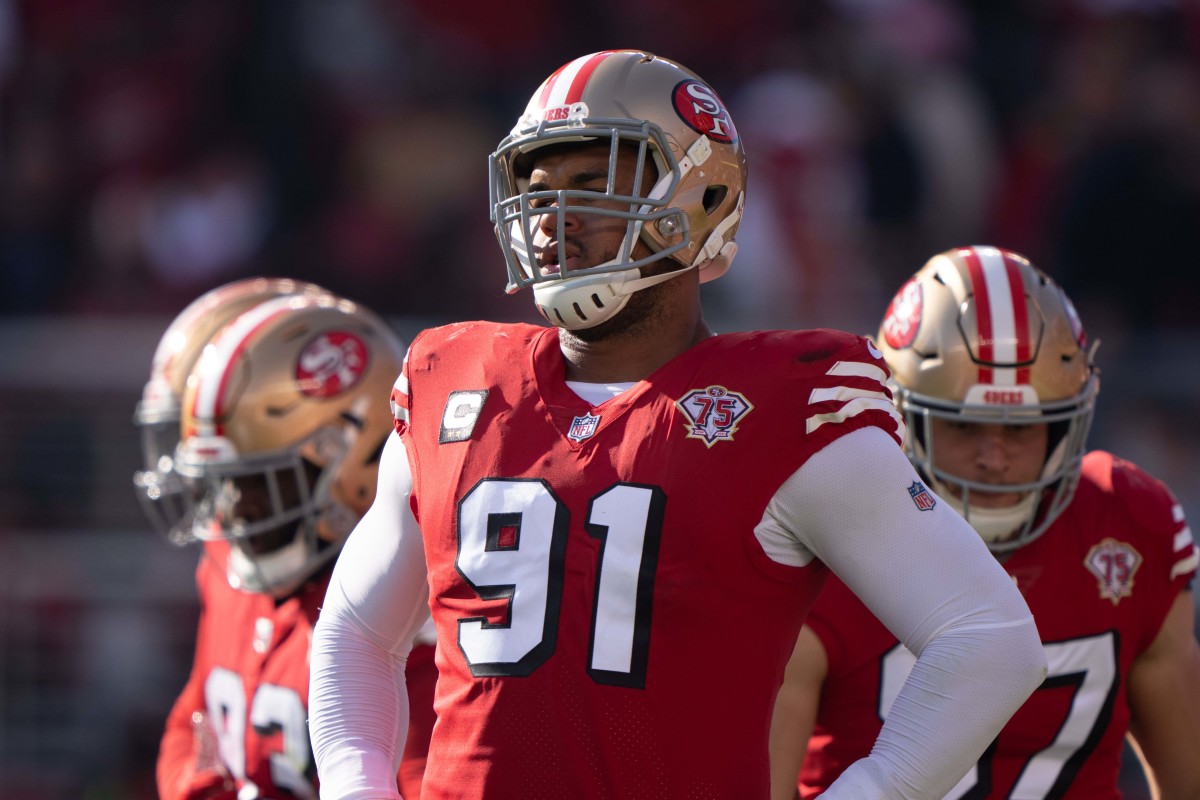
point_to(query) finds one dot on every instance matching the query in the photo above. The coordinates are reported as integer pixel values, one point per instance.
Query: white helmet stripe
(216, 364)
(566, 86)
(1000, 309)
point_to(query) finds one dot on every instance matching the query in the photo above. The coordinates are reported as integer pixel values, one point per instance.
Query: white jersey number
(1089, 664)
(274, 708)
(512, 539)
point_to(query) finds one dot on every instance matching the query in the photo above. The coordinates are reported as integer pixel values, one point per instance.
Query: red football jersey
(610, 626)
(250, 678)
(1099, 582)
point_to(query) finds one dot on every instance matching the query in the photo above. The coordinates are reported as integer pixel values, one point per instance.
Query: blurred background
(150, 151)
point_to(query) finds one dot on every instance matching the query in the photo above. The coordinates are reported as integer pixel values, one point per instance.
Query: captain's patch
(461, 414)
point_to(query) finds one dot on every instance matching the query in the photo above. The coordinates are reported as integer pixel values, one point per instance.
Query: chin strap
(716, 255)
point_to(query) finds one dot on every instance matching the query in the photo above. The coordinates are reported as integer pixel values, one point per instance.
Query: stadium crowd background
(150, 151)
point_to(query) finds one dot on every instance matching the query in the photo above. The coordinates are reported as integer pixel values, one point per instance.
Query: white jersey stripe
(1183, 538)
(843, 393)
(854, 408)
(1004, 328)
(1177, 512)
(858, 369)
(1186, 565)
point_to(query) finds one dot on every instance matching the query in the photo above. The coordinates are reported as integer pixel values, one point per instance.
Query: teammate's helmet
(157, 414)
(980, 335)
(685, 141)
(284, 419)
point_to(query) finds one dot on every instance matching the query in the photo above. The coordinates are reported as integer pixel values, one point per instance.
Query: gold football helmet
(684, 138)
(980, 335)
(157, 414)
(284, 419)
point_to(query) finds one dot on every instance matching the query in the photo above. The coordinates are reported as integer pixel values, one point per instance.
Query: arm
(1164, 698)
(931, 581)
(376, 603)
(796, 712)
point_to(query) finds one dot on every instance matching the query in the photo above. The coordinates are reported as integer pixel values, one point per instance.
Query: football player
(158, 488)
(995, 376)
(239, 724)
(603, 505)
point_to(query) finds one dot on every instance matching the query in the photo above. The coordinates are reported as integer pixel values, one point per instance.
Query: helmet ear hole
(713, 197)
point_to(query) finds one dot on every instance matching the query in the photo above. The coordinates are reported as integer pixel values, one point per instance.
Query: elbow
(1034, 656)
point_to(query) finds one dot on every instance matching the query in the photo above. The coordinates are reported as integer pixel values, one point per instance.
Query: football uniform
(250, 681)
(590, 567)
(1099, 582)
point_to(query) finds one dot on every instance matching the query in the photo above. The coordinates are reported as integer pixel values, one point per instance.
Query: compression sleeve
(376, 603)
(930, 579)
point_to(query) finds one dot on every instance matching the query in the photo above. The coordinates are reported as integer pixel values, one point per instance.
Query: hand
(211, 786)
(211, 780)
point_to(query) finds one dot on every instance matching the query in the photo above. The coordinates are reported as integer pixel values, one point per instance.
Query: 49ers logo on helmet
(903, 316)
(703, 111)
(331, 364)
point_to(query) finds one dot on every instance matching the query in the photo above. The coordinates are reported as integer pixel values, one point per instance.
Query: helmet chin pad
(719, 264)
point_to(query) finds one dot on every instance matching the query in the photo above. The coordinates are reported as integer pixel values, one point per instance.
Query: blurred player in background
(159, 489)
(997, 384)
(293, 467)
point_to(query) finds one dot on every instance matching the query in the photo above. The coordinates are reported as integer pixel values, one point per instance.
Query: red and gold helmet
(284, 419)
(684, 138)
(157, 414)
(980, 335)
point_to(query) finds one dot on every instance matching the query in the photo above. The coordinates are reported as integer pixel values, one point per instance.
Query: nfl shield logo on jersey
(712, 414)
(583, 427)
(1114, 564)
(921, 496)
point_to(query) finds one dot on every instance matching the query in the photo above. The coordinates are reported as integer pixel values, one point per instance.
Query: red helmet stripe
(566, 85)
(216, 367)
(1020, 315)
(983, 310)
(584, 75)
(548, 86)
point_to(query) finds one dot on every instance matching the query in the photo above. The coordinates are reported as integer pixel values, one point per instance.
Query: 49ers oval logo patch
(903, 316)
(698, 106)
(330, 364)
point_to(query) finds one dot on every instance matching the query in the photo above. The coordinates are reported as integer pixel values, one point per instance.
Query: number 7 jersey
(1099, 582)
(608, 623)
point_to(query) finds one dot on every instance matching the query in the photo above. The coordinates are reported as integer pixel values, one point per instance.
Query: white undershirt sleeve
(930, 579)
(376, 604)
